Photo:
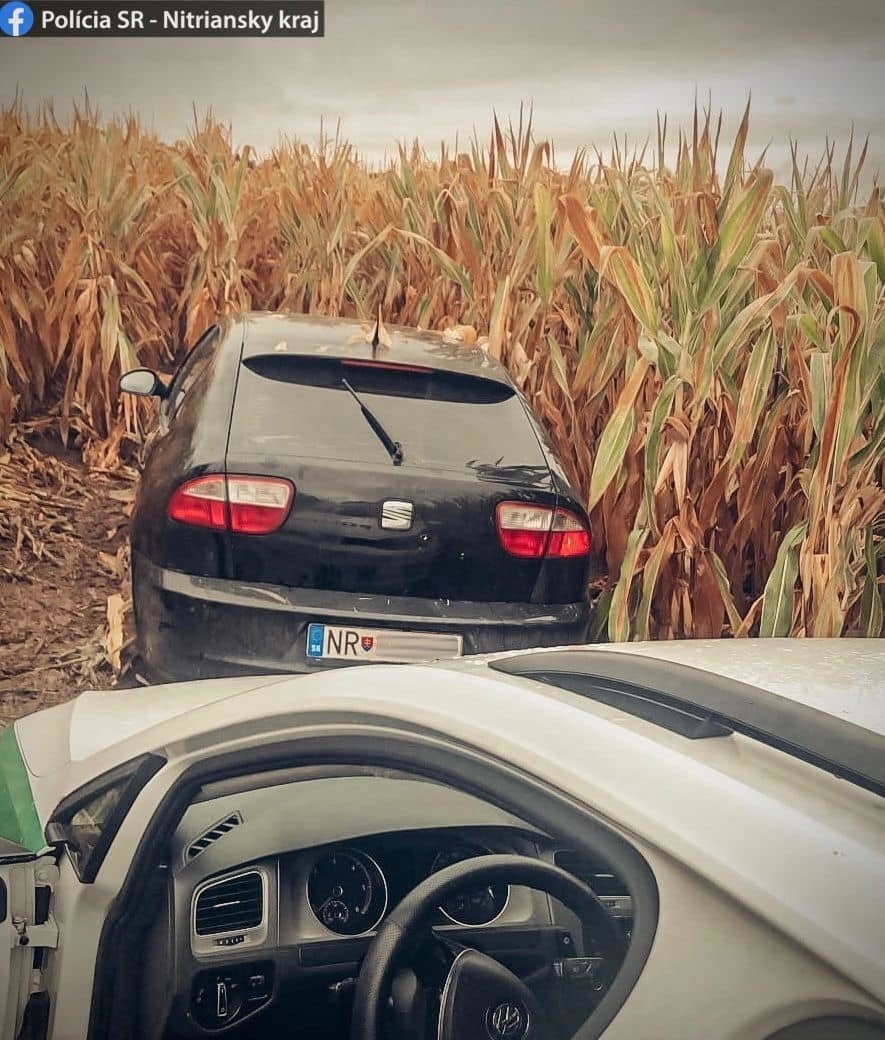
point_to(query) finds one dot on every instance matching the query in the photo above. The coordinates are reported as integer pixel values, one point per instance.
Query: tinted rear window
(299, 406)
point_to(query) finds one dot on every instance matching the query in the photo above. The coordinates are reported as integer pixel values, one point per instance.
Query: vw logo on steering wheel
(507, 1022)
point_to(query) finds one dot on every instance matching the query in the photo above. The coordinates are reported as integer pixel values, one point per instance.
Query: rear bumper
(194, 628)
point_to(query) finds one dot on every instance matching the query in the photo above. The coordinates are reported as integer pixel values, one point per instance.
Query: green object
(19, 821)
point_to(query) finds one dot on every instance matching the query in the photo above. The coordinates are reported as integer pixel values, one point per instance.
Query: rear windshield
(445, 420)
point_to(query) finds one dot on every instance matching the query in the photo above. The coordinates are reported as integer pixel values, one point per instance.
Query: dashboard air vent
(233, 905)
(205, 840)
(594, 874)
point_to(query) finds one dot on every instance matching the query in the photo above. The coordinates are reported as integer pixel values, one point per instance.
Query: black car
(313, 497)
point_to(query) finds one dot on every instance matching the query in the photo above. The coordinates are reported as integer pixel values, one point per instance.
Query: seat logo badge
(396, 516)
(507, 1022)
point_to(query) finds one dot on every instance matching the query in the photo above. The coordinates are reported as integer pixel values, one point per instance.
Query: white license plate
(341, 643)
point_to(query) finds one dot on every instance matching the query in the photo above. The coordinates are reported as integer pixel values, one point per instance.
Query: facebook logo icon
(16, 18)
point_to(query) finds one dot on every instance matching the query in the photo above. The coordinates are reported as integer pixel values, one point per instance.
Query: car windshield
(300, 406)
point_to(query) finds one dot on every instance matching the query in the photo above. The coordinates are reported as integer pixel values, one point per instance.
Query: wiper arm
(394, 448)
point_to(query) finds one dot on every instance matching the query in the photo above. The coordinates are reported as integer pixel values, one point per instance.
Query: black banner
(297, 18)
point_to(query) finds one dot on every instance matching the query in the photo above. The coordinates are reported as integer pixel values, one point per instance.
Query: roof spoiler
(699, 704)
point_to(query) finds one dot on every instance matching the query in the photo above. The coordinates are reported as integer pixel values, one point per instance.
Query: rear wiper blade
(394, 448)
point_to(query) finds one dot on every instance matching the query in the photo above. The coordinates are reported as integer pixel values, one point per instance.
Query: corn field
(707, 352)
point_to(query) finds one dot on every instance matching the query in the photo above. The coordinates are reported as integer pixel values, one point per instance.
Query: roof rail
(699, 704)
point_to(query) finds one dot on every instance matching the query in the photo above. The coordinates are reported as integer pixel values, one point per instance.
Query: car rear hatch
(363, 521)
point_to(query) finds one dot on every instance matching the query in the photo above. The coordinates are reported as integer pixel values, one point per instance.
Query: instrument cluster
(349, 892)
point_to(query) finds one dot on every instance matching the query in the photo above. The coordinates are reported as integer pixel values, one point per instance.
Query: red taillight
(536, 532)
(244, 505)
(524, 529)
(569, 537)
(200, 503)
(258, 505)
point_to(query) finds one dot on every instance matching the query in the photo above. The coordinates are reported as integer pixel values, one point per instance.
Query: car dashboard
(275, 894)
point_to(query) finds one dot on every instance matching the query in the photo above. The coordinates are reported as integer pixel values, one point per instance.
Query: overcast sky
(431, 69)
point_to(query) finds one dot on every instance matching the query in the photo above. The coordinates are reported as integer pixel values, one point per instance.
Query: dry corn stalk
(705, 352)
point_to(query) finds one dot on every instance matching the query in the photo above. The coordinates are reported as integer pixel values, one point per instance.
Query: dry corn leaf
(465, 334)
(114, 641)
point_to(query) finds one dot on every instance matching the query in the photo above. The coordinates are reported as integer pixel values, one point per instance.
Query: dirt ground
(65, 617)
(64, 597)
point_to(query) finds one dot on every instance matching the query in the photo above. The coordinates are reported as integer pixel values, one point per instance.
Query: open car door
(28, 930)
(28, 874)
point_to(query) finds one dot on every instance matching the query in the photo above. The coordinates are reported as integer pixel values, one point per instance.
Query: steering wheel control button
(581, 967)
(507, 1021)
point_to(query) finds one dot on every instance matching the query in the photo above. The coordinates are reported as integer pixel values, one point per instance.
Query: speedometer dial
(478, 907)
(347, 892)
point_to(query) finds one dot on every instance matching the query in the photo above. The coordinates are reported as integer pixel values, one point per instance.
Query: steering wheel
(481, 999)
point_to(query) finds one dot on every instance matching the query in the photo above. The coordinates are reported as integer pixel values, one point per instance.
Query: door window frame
(472, 771)
(199, 357)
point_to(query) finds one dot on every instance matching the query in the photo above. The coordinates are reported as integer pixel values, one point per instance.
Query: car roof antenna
(380, 336)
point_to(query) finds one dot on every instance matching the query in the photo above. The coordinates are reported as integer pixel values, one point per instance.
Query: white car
(667, 841)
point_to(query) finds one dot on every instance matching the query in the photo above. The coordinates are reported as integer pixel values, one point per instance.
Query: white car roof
(845, 678)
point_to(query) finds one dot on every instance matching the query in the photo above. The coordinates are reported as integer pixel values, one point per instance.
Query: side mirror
(143, 383)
